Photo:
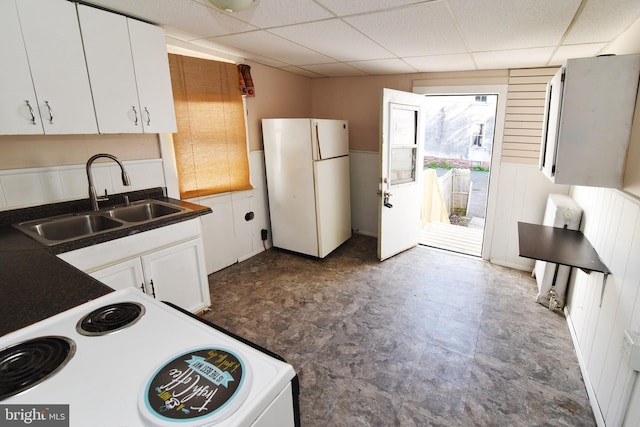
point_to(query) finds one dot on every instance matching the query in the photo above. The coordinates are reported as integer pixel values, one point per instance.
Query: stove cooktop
(152, 366)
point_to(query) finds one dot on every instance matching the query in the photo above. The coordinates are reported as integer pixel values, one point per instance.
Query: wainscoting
(597, 321)
(21, 188)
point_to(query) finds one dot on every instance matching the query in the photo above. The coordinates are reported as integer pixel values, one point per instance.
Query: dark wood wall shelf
(560, 246)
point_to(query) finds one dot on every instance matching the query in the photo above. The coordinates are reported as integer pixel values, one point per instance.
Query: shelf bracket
(604, 285)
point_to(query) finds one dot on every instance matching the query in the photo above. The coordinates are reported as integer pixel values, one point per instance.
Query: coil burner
(28, 363)
(110, 318)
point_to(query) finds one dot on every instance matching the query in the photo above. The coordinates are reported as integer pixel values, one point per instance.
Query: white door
(400, 195)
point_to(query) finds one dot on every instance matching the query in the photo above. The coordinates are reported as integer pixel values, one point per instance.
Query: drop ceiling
(332, 38)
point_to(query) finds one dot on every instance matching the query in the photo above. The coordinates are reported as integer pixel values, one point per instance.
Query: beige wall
(357, 99)
(278, 94)
(17, 152)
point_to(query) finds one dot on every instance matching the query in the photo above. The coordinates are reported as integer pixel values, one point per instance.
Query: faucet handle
(105, 197)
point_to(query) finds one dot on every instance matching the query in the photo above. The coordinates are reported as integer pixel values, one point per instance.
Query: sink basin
(68, 227)
(55, 230)
(143, 211)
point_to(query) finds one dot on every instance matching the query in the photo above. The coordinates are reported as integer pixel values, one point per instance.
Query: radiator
(561, 211)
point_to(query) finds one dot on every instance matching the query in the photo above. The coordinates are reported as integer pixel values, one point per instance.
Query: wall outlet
(631, 349)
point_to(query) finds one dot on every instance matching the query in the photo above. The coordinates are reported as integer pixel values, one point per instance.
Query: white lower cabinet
(166, 263)
(127, 274)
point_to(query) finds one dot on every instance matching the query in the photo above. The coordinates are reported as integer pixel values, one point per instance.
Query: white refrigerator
(307, 168)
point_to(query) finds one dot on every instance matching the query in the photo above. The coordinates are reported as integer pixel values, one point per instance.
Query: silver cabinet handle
(33, 118)
(135, 122)
(50, 112)
(148, 116)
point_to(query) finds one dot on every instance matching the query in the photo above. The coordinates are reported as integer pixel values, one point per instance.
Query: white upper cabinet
(587, 122)
(54, 50)
(113, 83)
(151, 63)
(129, 71)
(18, 105)
(44, 81)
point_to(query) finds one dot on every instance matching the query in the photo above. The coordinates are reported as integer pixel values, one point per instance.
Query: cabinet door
(151, 63)
(123, 275)
(550, 125)
(18, 105)
(54, 47)
(106, 46)
(177, 275)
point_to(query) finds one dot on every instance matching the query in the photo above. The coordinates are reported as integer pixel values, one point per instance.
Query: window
(477, 135)
(210, 145)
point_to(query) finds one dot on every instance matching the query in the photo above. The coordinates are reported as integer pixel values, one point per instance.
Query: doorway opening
(458, 145)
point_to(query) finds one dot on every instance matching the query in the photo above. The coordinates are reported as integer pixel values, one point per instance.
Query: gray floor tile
(426, 338)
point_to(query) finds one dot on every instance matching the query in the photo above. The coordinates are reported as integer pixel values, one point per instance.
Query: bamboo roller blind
(524, 115)
(210, 145)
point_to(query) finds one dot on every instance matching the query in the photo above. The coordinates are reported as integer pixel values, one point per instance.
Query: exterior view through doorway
(458, 145)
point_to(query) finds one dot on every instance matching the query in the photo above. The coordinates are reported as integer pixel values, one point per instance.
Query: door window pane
(403, 139)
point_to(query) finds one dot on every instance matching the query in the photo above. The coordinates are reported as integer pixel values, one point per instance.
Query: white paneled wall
(364, 172)
(21, 188)
(522, 196)
(611, 222)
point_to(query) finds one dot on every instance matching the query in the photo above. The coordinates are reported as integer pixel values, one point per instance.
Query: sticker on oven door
(206, 384)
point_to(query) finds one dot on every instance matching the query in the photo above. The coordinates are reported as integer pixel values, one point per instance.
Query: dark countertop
(35, 284)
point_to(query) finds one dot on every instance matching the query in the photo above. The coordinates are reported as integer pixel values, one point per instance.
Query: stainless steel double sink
(65, 228)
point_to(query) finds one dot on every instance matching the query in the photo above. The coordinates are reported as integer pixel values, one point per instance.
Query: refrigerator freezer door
(330, 138)
(287, 151)
(332, 203)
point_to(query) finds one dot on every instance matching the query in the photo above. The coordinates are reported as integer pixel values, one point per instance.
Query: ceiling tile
(458, 62)
(383, 66)
(603, 20)
(274, 13)
(520, 58)
(513, 24)
(335, 39)
(302, 72)
(335, 69)
(342, 7)
(575, 51)
(270, 45)
(191, 16)
(424, 29)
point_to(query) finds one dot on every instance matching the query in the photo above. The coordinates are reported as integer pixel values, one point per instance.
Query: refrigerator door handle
(318, 140)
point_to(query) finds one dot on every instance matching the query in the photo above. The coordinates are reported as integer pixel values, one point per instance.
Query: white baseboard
(585, 375)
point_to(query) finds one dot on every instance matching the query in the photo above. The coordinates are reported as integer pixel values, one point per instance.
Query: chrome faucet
(92, 190)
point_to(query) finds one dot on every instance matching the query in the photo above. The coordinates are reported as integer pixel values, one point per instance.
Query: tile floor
(425, 338)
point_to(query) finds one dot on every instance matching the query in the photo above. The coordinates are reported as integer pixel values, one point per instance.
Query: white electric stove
(127, 360)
